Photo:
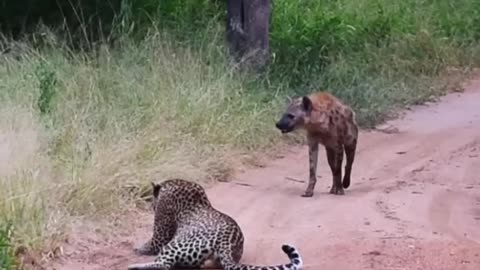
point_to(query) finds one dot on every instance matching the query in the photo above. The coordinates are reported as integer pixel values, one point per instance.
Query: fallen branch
(294, 180)
(242, 184)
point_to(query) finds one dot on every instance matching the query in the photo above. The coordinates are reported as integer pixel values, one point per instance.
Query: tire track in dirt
(414, 202)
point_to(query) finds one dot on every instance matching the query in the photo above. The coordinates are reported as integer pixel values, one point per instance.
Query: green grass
(309, 35)
(7, 258)
(82, 134)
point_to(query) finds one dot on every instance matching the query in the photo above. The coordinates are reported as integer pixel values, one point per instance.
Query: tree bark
(236, 36)
(247, 26)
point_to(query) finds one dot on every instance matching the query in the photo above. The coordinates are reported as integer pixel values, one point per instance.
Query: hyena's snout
(279, 125)
(285, 124)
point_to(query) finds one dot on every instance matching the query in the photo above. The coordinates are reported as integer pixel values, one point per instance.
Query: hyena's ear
(156, 189)
(307, 104)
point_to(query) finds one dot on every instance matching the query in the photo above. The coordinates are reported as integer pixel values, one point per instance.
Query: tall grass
(83, 133)
(7, 258)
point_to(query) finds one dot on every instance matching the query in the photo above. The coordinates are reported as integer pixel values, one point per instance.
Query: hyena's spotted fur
(331, 123)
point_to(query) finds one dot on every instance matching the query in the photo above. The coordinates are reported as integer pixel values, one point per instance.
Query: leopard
(327, 121)
(188, 232)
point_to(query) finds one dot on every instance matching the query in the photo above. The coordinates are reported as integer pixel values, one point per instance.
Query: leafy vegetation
(84, 129)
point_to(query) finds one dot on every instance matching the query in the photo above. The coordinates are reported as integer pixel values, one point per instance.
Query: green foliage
(47, 81)
(7, 256)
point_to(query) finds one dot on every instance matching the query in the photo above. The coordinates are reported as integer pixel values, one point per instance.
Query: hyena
(329, 122)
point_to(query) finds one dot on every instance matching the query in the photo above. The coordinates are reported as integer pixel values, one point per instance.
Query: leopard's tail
(296, 262)
(146, 266)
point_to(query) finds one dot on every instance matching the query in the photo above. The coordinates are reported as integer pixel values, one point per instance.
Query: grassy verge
(82, 133)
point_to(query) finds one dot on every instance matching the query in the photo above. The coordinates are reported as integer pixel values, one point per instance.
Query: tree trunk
(247, 31)
(236, 36)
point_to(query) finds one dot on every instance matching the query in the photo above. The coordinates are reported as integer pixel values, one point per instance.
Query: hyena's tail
(296, 262)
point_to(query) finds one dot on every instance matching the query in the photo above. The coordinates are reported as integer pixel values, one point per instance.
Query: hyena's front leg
(335, 160)
(312, 161)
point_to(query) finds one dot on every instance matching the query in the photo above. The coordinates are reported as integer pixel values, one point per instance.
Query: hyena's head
(294, 117)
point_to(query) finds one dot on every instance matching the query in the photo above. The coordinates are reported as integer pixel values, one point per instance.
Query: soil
(414, 202)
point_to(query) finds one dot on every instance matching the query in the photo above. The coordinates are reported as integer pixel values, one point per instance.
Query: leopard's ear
(156, 189)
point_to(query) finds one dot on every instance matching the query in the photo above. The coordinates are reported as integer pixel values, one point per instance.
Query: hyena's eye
(291, 116)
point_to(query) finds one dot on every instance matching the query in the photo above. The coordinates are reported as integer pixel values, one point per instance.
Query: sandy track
(414, 202)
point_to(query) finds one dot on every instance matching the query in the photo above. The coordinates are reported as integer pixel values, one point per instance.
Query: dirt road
(414, 202)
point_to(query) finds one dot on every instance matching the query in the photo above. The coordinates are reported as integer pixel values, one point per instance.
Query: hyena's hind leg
(335, 160)
(350, 153)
